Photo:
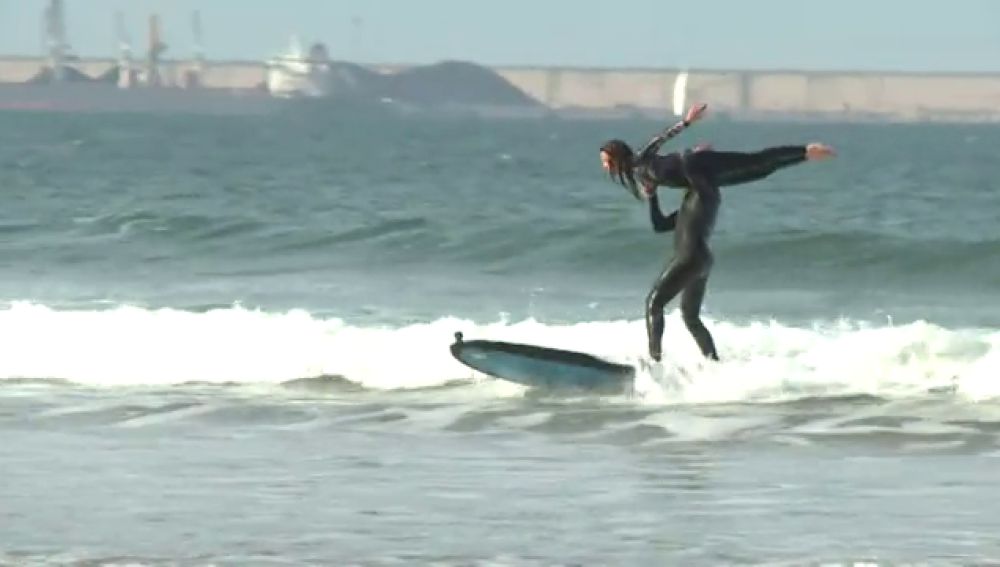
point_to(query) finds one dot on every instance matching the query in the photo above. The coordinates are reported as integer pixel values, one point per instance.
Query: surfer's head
(617, 158)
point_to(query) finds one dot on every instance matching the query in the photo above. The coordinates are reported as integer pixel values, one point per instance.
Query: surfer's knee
(655, 300)
(691, 315)
(666, 288)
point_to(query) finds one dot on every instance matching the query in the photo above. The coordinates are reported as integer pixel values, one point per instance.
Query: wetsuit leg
(677, 276)
(733, 168)
(691, 301)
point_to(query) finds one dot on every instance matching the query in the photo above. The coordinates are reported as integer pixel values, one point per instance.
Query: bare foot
(819, 151)
(654, 353)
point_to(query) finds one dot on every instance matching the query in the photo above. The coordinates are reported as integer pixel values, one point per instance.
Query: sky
(884, 35)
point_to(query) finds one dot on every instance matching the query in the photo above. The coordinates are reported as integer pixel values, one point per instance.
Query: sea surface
(224, 341)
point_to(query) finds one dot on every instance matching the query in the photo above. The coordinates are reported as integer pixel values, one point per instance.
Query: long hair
(623, 157)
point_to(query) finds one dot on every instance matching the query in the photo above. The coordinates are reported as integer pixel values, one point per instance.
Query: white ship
(297, 74)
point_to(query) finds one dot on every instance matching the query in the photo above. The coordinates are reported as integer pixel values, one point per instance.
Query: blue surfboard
(542, 367)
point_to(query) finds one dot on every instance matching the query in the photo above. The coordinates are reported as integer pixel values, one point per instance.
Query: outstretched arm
(660, 223)
(653, 145)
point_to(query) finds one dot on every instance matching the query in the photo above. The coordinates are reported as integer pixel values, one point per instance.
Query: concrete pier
(888, 95)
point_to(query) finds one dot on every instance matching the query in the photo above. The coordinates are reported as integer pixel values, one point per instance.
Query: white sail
(680, 93)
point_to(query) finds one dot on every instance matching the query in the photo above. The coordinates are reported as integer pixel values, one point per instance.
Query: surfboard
(543, 367)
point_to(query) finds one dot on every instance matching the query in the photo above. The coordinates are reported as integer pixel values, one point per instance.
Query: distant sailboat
(680, 93)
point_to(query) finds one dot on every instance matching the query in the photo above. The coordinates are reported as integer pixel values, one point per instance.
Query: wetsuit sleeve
(660, 223)
(653, 145)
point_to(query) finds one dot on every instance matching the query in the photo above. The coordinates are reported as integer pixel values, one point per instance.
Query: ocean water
(223, 341)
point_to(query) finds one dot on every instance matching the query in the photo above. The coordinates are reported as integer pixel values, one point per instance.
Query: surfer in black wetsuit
(700, 172)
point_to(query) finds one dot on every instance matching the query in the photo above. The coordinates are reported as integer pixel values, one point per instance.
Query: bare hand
(695, 112)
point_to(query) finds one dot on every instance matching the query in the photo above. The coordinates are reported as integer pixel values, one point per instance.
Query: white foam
(762, 361)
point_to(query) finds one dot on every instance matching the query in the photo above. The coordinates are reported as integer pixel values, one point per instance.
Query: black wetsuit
(701, 173)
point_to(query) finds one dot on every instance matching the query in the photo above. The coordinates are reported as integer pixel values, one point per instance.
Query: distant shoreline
(397, 65)
(823, 95)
